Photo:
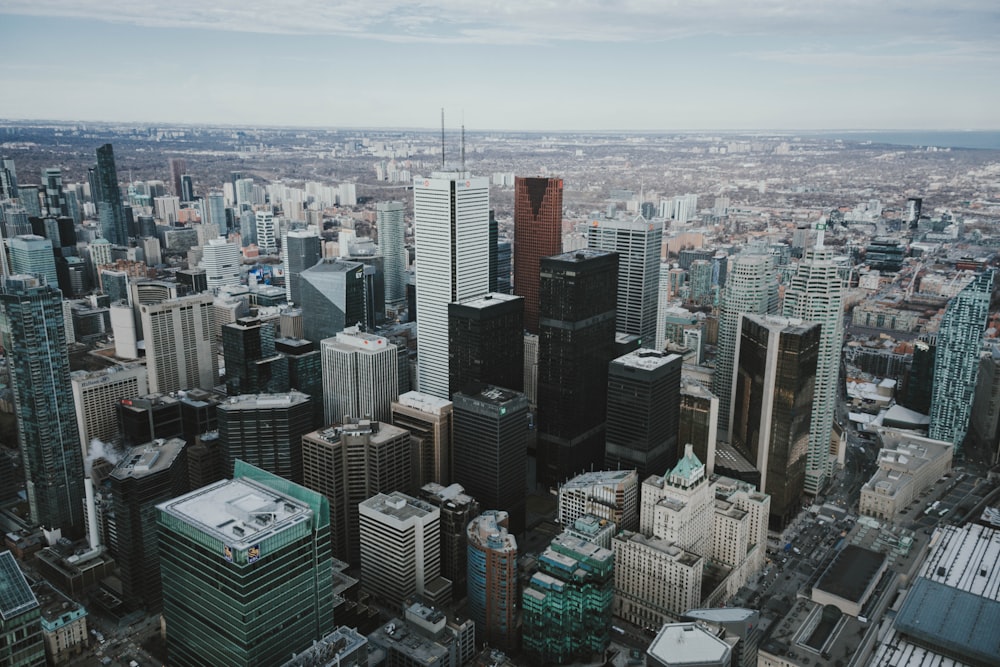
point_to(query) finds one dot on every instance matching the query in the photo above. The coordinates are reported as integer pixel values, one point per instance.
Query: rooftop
(491, 299)
(398, 505)
(646, 360)
(148, 459)
(688, 644)
(258, 401)
(240, 512)
(423, 402)
(600, 477)
(851, 572)
(15, 594)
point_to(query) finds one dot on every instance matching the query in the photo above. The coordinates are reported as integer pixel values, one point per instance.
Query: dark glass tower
(332, 298)
(537, 234)
(576, 342)
(775, 383)
(148, 475)
(147, 418)
(490, 456)
(252, 364)
(303, 249)
(644, 390)
(486, 342)
(109, 198)
(34, 337)
(265, 431)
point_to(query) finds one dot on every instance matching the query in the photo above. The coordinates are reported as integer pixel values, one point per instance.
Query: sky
(511, 65)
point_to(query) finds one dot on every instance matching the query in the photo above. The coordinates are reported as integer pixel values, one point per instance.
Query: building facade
(391, 242)
(486, 342)
(180, 344)
(265, 430)
(360, 376)
(493, 598)
(429, 421)
(537, 234)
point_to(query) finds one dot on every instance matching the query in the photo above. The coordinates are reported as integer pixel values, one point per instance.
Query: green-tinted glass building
(245, 565)
(567, 603)
(21, 643)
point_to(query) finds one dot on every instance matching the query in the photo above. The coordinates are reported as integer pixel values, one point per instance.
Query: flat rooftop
(491, 299)
(423, 402)
(851, 572)
(600, 477)
(646, 360)
(239, 512)
(258, 401)
(398, 505)
(688, 644)
(148, 459)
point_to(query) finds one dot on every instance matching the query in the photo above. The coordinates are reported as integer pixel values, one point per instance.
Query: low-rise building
(907, 465)
(64, 624)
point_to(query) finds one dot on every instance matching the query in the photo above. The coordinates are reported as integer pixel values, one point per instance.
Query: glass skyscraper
(391, 238)
(109, 198)
(34, 337)
(956, 361)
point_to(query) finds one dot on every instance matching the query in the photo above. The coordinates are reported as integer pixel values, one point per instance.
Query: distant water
(989, 140)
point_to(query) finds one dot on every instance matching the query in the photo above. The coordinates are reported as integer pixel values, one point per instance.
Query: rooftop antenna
(463, 140)
(442, 137)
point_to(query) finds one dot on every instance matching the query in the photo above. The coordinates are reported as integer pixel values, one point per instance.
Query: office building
(332, 294)
(64, 624)
(698, 419)
(425, 636)
(265, 430)
(305, 371)
(908, 465)
(815, 294)
(360, 376)
(266, 239)
(21, 641)
(531, 367)
(32, 255)
(55, 198)
(451, 236)
(567, 603)
(222, 263)
(96, 395)
(643, 412)
(34, 339)
(109, 198)
(177, 167)
(612, 495)
(392, 243)
(303, 248)
(148, 475)
(344, 647)
(577, 297)
(775, 360)
(429, 420)
(230, 543)
(489, 458)
(350, 462)
(493, 595)
(401, 550)
(253, 365)
(180, 344)
(486, 342)
(742, 625)
(749, 288)
(149, 417)
(688, 645)
(537, 234)
(984, 424)
(457, 509)
(956, 361)
(637, 243)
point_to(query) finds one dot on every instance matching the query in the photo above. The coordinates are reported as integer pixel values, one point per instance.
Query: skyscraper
(230, 543)
(360, 376)
(265, 430)
(32, 255)
(222, 263)
(303, 248)
(537, 234)
(215, 212)
(178, 167)
(577, 294)
(266, 239)
(21, 641)
(490, 454)
(96, 395)
(749, 286)
(486, 342)
(55, 199)
(643, 412)
(492, 557)
(253, 365)
(391, 242)
(34, 339)
(109, 198)
(816, 294)
(637, 243)
(776, 360)
(451, 235)
(429, 420)
(332, 298)
(148, 475)
(457, 509)
(956, 362)
(180, 344)
(187, 188)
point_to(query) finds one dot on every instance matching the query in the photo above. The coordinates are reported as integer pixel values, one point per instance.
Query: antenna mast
(463, 145)
(442, 138)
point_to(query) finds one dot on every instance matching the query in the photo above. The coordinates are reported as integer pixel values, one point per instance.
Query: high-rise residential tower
(486, 342)
(643, 412)
(180, 344)
(776, 360)
(577, 295)
(492, 596)
(956, 362)
(637, 243)
(109, 198)
(360, 376)
(34, 339)
(222, 263)
(267, 241)
(751, 289)
(32, 255)
(391, 241)
(451, 233)
(816, 294)
(248, 577)
(537, 234)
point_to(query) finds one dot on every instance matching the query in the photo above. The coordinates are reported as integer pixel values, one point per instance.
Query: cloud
(542, 21)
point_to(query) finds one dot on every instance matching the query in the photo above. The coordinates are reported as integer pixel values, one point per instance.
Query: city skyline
(643, 66)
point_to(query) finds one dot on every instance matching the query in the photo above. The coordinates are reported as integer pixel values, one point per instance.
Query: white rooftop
(688, 644)
(646, 360)
(490, 299)
(423, 402)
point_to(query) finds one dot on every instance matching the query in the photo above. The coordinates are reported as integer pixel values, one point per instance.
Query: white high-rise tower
(222, 263)
(816, 294)
(360, 376)
(451, 228)
(751, 289)
(637, 243)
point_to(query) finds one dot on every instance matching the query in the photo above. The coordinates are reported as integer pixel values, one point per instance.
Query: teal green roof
(687, 467)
